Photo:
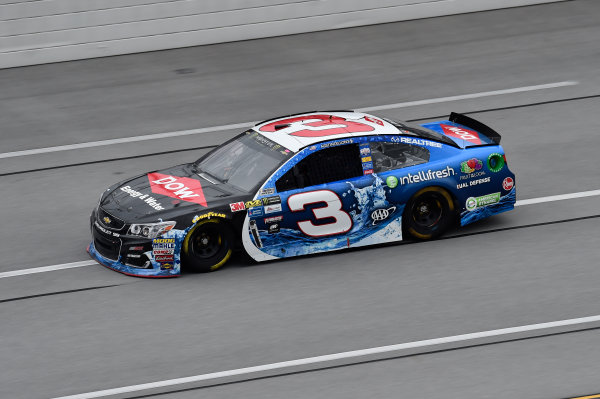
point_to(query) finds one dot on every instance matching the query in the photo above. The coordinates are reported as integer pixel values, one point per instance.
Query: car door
(311, 207)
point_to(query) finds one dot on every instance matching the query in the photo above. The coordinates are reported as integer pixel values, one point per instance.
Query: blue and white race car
(303, 184)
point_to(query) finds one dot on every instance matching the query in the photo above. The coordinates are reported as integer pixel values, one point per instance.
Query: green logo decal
(495, 162)
(391, 181)
(477, 202)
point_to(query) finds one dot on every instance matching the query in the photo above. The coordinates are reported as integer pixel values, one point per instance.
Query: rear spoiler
(475, 125)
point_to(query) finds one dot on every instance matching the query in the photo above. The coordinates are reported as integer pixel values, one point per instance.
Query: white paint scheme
(286, 138)
(42, 31)
(331, 208)
(249, 246)
(405, 349)
(204, 130)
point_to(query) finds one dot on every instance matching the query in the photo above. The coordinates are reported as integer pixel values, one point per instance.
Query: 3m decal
(495, 162)
(237, 206)
(461, 133)
(391, 181)
(316, 126)
(426, 176)
(379, 215)
(272, 208)
(182, 188)
(342, 222)
(477, 202)
(151, 201)
(471, 165)
(208, 216)
(508, 183)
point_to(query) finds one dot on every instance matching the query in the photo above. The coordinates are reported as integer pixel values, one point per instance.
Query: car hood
(169, 192)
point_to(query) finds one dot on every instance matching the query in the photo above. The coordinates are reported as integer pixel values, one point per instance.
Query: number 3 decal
(332, 209)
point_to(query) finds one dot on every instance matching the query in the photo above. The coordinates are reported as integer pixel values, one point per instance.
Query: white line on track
(83, 263)
(249, 124)
(423, 345)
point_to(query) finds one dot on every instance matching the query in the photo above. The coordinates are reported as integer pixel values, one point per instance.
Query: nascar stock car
(302, 184)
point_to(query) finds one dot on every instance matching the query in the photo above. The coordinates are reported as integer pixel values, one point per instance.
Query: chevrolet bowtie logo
(106, 220)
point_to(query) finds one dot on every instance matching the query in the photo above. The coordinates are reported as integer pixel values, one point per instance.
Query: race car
(303, 184)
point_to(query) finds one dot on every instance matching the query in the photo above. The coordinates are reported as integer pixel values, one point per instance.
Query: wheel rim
(206, 243)
(427, 212)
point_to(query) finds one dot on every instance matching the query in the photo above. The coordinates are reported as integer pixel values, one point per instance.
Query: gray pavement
(141, 330)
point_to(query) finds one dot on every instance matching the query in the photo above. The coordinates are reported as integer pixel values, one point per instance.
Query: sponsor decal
(272, 208)
(237, 206)
(495, 162)
(163, 243)
(317, 125)
(471, 165)
(461, 133)
(267, 191)
(365, 150)
(336, 143)
(256, 211)
(373, 120)
(208, 216)
(508, 183)
(105, 231)
(313, 147)
(410, 140)
(151, 201)
(473, 182)
(379, 215)
(162, 252)
(255, 233)
(271, 200)
(472, 175)
(273, 219)
(253, 203)
(274, 228)
(367, 165)
(182, 188)
(391, 181)
(366, 159)
(426, 176)
(164, 258)
(477, 202)
(368, 172)
(166, 266)
(106, 220)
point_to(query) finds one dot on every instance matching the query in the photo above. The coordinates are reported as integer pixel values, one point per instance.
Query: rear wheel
(207, 247)
(429, 213)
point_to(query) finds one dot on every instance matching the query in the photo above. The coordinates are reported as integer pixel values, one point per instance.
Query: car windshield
(245, 161)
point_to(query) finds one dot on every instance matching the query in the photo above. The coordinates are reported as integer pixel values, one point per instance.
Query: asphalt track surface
(89, 329)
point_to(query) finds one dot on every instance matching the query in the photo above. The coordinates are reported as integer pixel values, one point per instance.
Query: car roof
(297, 131)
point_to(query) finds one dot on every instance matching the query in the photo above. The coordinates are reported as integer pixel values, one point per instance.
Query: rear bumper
(157, 269)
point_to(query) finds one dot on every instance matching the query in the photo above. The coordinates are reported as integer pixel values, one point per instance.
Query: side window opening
(324, 166)
(387, 156)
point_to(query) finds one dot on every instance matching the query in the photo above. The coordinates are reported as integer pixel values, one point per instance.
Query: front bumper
(156, 270)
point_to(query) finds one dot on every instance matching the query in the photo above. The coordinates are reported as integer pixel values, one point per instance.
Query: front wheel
(207, 247)
(429, 213)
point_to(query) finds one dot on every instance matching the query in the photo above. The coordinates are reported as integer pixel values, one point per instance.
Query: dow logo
(379, 215)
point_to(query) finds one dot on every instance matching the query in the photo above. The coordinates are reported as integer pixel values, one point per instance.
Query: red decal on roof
(316, 126)
(182, 188)
(461, 133)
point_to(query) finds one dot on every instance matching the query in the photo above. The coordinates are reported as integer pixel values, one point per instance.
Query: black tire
(429, 213)
(207, 247)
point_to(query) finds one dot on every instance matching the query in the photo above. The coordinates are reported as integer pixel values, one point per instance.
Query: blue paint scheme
(158, 268)
(362, 195)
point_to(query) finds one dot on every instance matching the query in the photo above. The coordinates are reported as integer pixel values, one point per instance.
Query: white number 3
(332, 209)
